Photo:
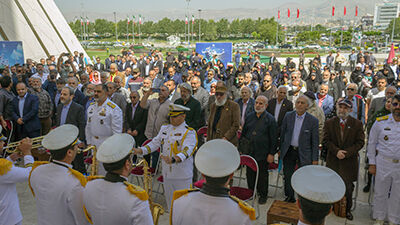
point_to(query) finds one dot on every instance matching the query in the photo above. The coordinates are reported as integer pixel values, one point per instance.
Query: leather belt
(294, 148)
(391, 160)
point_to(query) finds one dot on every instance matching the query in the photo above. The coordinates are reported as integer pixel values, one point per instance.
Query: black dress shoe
(349, 216)
(262, 200)
(366, 188)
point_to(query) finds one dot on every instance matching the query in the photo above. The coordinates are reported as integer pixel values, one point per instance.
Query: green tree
(396, 28)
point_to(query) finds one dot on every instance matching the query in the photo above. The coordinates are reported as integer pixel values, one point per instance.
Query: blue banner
(222, 50)
(11, 53)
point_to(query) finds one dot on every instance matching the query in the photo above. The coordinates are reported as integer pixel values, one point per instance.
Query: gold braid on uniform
(178, 194)
(246, 208)
(5, 166)
(35, 164)
(79, 176)
(137, 191)
(87, 215)
(90, 178)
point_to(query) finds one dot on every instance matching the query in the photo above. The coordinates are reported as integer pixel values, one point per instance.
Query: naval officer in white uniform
(317, 188)
(58, 188)
(104, 118)
(178, 143)
(108, 200)
(10, 175)
(217, 160)
(384, 160)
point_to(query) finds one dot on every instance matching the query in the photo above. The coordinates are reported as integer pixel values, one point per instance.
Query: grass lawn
(297, 55)
(102, 53)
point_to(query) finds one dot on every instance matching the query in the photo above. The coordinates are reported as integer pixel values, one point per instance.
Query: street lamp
(188, 24)
(199, 24)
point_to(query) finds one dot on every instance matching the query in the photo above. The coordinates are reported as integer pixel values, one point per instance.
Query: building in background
(385, 12)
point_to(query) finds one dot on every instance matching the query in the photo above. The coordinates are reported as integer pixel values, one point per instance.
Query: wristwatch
(173, 160)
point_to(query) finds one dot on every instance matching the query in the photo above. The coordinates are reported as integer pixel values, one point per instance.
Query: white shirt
(384, 137)
(167, 136)
(10, 212)
(58, 195)
(197, 208)
(277, 109)
(111, 203)
(296, 130)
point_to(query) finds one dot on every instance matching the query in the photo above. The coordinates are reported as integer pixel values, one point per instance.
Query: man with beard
(224, 119)
(344, 137)
(201, 95)
(116, 97)
(45, 105)
(89, 96)
(384, 163)
(104, 118)
(193, 117)
(70, 112)
(267, 89)
(333, 89)
(261, 129)
(78, 95)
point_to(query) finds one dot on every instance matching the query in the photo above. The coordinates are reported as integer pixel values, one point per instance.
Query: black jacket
(138, 122)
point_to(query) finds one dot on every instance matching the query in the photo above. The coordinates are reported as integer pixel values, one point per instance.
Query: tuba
(155, 208)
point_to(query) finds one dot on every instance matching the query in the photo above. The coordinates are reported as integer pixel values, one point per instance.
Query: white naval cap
(61, 137)
(2, 138)
(176, 110)
(318, 184)
(217, 158)
(115, 148)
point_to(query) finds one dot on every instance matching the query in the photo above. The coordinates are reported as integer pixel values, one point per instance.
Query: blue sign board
(11, 53)
(223, 51)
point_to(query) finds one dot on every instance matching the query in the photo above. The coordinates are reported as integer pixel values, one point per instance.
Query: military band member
(10, 175)
(58, 188)
(104, 118)
(178, 143)
(217, 160)
(111, 199)
(317, 188)
(384, 163)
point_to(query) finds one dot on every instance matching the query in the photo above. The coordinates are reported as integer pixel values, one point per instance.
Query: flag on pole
(186, 20)
(333, 10)
(356, 10)
(279, 14)
(127, 20)
(391, 54)
(87, 21)
(288, 13)
(344, 11)
(133, 20)
(298, 13)
(81, 21)
(140, 19)
(192, 19)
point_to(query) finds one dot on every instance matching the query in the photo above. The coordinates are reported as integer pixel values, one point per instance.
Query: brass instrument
(155, 208)
(93, 168)
(13, 146)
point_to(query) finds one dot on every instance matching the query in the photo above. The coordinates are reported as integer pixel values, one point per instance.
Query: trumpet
(13, 146)
(93, 167)
(155, 208)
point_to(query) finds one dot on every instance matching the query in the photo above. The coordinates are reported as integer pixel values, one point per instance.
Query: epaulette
(34, 166)
(5, 166)
(90, 178)
(382, 118)
(92, 103)
(79, 176)
(111, 105)
(137, 191)
(189, 128)
(180, 193)
(246, 208)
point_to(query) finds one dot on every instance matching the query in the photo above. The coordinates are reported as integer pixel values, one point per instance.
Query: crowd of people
(305, 113)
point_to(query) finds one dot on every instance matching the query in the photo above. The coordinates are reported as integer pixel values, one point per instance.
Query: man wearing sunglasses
(358, 111)
(384, 163)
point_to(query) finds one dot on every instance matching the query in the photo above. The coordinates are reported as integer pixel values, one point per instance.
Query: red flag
(391, 54)
(333, 10)
(279, 14)
(81, 22)
(87, 22)
(186, 20)
(288, 13)
(356, 10)
(298, 13)
(344, 10)
(192, 19)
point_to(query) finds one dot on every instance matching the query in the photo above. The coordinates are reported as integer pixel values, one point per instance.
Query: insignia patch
(102, 112)
(386, 138)
(101, 122)
(111, 105)
(178, 134)
(387, 128)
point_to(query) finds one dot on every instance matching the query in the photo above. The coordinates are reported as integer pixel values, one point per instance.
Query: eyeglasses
(267, 81)
(395, 104)
(133, 97)
(351, 89)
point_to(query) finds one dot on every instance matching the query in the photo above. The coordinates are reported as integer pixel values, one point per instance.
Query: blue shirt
(64, 113)
(57, 98)
(354, 113)
(296, 130)
(207, 85)
(21, 103)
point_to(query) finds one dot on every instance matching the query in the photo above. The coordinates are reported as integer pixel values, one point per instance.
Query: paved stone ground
(361, 214)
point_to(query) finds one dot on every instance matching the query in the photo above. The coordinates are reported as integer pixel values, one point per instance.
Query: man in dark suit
(25, 113)
(157, 63)
(246, 104)
(70, 112)
(279, 106)
(99, 66)
(79, 97)
(344, 136)
(299, 142)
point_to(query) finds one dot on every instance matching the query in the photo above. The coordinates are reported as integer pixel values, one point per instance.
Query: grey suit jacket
(376, 105)
(308, 139)
(120, 100)
(75, 116)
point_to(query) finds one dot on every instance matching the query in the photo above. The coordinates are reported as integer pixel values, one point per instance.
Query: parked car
(286, 46)
(313, 46)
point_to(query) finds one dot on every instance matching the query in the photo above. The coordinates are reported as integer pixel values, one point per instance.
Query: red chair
(138, 172)
(202, 133)
(199, 184)
(243, 193)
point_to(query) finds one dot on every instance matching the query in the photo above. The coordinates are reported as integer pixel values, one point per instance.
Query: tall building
(384, 13)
